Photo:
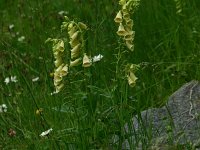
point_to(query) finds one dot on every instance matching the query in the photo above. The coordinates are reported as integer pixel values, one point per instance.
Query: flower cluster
(123, 18)
(61, 68)
(77, 43)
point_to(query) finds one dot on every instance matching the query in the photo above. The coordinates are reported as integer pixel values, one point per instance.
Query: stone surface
(176, 123)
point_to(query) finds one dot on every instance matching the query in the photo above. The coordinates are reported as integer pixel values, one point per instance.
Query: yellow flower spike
(82, 26)
(130, 45)
(118, 18)
(75, 51)
(86, 61)
(76, 62)
(121, 31)
(132, 79)
(59, 87)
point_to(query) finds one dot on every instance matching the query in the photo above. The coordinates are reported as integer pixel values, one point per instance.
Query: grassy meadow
(97, 101)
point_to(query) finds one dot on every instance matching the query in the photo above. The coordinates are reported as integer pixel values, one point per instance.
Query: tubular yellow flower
(129, 23)
(59, 68)
(75, 51)
(74, 39)
(59, 46)
(76, 62)
(58, 62)
(70, 26)
(118, 18)
(59, 87)
(75, 35)
(124, 9)
(126, 16)
(130, 45)
(129, 36)
(57, 79)
(72, 31)
(121, 31)
(86, 61)
(132, 79)
(64, 71)
(74, 42)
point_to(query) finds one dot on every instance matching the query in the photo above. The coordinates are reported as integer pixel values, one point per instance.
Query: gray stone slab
(176, 123)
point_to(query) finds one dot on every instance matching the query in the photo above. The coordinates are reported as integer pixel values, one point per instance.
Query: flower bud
(82, 26)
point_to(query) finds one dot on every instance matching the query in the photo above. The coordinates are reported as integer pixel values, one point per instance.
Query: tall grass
(96, 102)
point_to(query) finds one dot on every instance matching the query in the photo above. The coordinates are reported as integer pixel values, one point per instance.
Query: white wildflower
(11, 26)
(13, 79)
(35, 79)
(97, 58)
(21, 39)
(7, 80)
(3, 108)
(45, 133)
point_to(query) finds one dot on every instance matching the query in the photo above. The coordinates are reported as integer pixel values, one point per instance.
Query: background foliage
(90, 109)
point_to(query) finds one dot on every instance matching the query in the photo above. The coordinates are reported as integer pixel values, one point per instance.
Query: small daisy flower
(7, 80)
(13, 79)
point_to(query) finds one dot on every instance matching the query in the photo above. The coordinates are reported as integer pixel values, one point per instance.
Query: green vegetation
(95, 102)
